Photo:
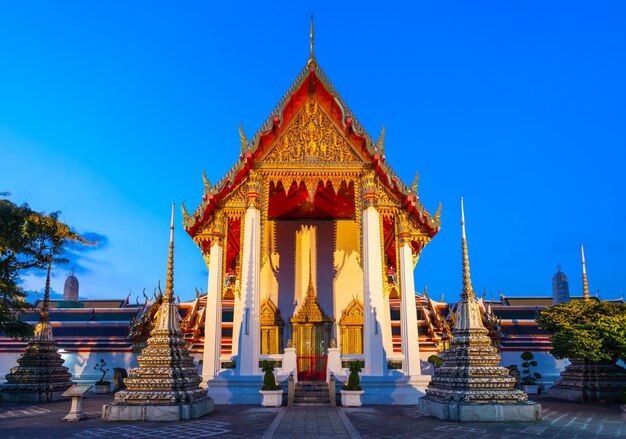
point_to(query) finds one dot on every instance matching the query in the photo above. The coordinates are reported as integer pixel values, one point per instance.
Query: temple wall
(548, 366)
(349, 278)
(80, 364)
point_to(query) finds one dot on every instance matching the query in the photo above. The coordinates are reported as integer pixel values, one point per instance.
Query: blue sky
(109, 111)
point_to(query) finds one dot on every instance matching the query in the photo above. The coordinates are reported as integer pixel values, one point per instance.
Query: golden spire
(585, 284)
(169, 279)
(468, 291)
(312, 62)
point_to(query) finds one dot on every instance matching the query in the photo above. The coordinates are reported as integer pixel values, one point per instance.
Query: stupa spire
(470, 384)
(40, 374)
(45, 310)
(468, 291)
(166, 381)
(169, 278)
(312, 62)
(585, 284)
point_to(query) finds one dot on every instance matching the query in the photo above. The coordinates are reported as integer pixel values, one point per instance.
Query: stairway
(311, 393)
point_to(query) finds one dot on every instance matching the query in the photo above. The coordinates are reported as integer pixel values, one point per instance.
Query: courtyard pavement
(560, 420)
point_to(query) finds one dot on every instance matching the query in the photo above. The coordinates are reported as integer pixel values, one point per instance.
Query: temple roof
(310, 81)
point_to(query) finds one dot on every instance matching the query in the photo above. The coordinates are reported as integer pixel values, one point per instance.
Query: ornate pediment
(353, 314)
(270, 314)
(312, 137)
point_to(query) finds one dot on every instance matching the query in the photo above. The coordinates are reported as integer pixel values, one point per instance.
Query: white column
(408, 313)
(249, 331)
(375, 356)
(213, 315)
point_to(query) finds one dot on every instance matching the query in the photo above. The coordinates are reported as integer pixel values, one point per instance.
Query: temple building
(311, 240)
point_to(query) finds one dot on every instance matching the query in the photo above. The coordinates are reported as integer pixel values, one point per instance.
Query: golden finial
(415, 181)
(207, 183)
(243, 139)
(585, 284)
(380, 142)
(312, 62)
(468, 291)
(169, 279)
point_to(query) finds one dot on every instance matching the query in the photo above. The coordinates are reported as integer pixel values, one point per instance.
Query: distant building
(70, 291)
(560, 287)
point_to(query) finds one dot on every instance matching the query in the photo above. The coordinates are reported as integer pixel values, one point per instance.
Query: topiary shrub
(269, 380)
(353, 378)
(529, 378)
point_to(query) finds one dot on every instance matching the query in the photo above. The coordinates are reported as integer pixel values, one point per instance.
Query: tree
(28, 241)
(590, 330)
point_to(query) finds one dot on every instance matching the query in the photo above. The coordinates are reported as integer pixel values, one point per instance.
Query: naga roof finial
(415, 182)
(468, 291)
(207, 183)
(243, 139)
(585, 284)
(312, 62)
(185, 213)
(380, 142)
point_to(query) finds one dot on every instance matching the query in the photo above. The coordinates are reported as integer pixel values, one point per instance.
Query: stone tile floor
(561, 420)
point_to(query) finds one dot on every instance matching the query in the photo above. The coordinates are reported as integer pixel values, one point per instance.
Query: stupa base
(34, 396)
(157, 412)
(586, 394)
(526, 411)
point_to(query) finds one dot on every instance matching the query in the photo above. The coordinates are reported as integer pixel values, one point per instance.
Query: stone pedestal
(157, 412)
(333, 364)
(29, 394)
(76, 410)
(526, 411)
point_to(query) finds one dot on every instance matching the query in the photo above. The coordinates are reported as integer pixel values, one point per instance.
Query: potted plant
(272, 393)
(101, 385)
(529, 378)
(351, 394)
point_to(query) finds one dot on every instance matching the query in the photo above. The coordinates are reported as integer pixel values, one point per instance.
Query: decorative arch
(272, 326)
(351, 326)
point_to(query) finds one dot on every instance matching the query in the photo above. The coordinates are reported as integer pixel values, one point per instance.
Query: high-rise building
(560, 287)
(70, 290)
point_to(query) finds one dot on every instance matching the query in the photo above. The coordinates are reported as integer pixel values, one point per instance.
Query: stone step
(311, 393)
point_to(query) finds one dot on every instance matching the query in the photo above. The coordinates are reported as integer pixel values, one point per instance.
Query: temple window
(272, 326)
(351, 327)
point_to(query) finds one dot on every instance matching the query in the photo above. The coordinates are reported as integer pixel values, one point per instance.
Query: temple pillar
(373, 312)
(213, 310)
(249, 330)
(408, 313)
